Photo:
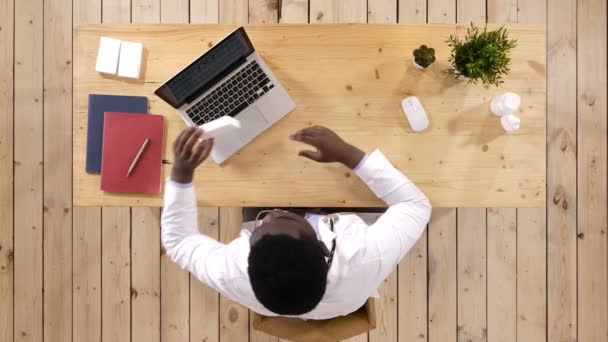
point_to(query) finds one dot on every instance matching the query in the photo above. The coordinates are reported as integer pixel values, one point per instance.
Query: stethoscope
(331, 219)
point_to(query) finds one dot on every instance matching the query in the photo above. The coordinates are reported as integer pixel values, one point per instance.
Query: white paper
(107, 56)
(219, 126)
(130, 59)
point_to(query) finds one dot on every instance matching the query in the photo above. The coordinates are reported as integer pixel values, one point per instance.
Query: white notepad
(107, 56)
(130, 59)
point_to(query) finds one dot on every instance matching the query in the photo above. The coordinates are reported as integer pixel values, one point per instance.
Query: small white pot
(460, 76)
(417, 66)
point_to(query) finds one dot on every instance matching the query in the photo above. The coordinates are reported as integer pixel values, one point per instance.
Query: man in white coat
(312, 266)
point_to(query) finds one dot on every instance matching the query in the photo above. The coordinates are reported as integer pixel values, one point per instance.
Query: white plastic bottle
(510, 123)
(505, 104)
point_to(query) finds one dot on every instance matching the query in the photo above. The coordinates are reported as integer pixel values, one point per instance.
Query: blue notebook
(98, 105)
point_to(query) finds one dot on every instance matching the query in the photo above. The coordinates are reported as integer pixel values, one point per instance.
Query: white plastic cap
(510, 122)
(511, 102)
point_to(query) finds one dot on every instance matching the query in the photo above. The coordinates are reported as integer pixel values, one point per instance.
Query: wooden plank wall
(488, 274)
(7, 36)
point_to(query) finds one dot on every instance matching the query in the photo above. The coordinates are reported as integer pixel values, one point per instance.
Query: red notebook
(123, 136)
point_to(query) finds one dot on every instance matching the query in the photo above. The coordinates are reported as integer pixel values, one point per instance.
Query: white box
(130, 59)
(107, 56)
(219, 126)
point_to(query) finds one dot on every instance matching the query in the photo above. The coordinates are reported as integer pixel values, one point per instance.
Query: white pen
(138, 156)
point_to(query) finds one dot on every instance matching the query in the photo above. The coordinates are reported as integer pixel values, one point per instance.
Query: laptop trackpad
(252, 124)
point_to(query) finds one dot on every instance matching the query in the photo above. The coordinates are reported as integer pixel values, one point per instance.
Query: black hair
(288, 275)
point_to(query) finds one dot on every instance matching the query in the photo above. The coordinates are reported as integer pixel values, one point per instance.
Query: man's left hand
(189, 153)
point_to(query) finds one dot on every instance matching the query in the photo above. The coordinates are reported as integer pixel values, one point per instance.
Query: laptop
(229, 79)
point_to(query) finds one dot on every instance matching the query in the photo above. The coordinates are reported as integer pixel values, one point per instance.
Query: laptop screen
(207, 70)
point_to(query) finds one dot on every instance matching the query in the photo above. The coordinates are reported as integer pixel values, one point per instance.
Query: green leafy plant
(424, 56)
(481, 56)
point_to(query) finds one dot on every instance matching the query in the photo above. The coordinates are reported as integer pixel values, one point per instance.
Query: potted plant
(482, 56)
(423, 57)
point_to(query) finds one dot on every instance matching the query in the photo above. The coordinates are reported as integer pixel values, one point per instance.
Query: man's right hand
(330, 147)
(189, 153)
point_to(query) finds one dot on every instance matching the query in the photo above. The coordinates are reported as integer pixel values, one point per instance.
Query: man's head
(287, 266)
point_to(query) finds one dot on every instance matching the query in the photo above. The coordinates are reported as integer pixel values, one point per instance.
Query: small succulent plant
(424, 56)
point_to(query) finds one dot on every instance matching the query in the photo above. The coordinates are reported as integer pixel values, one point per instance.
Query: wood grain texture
(146, 11)
(116, 274)
(413, 298)
(58, 274)
(263, 11)
(382, 11)
(86, 236)
(204, 11)
(412, 11)
(204, 301)
(386, 311)
(7, 12)
(86, 280)
(532, 237)
(502, 274)
(592, 172)
(234, 12)
(57, 170)
(442, 276)
(468, 11)
(116, 11)
(561, 177)
(441, 11)
(175, 11)
(87, 12)
(28, 172)
(234, 318)
(472, 284)
(175, 301)
(462, 162)
(531, 275)
(145, 274)
(532, 11)
(504, 11)
(338, 11)
(294, 11)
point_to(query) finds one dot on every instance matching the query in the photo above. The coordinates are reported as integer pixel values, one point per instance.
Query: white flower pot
(417, 66)
(460, 76)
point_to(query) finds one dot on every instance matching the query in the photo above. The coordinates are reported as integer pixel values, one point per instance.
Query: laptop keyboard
(234, 95)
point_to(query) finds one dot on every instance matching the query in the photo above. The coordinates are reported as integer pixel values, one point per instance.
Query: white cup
(505, 104)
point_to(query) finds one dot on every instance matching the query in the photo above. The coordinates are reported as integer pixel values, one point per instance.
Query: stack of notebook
(124, 144)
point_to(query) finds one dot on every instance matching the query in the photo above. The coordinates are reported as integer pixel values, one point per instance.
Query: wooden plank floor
(486, 274)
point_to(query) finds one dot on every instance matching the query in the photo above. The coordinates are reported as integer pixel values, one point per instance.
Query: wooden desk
(351, 78)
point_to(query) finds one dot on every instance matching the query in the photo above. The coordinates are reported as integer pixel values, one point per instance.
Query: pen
(138, 156)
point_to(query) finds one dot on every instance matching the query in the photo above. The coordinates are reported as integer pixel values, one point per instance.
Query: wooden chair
(330, 330)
